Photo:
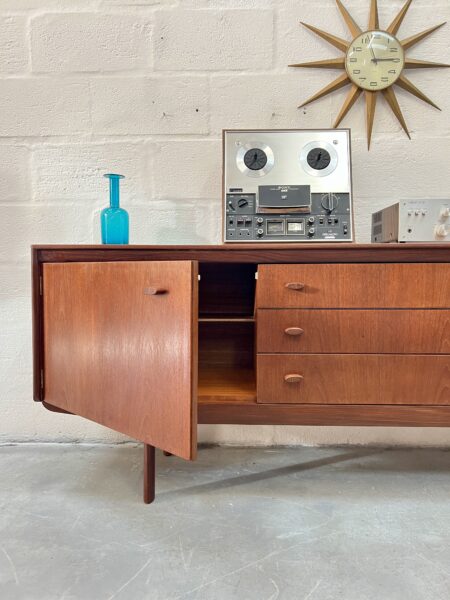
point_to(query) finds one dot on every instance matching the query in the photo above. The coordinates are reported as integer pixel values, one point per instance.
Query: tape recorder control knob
(311, 231)
(329, 202)
(259, 232)
(311, 220)
(260, 220)
(242, 202)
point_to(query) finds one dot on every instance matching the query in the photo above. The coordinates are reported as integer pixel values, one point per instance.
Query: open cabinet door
(120, 347)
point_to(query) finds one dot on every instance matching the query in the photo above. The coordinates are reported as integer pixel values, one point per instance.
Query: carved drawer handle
(293, 378)
(295, 286)
(294, 331)
(153, 291)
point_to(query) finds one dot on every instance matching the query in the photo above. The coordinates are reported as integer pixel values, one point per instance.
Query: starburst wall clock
(374, 61)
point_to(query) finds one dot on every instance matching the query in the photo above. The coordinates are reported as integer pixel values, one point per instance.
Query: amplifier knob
(441, 232)
(311, 220)
(259, 232)
(260, 220)
(445, 213)
(311, 231)
(242, 203)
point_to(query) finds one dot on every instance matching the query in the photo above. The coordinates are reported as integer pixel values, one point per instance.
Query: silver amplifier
(413, 221)
(288, 185)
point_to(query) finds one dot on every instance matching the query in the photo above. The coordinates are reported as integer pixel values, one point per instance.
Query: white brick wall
(150, 105)
(213, 40)
(73, 173)
(198, 163)
(144, 87)
(109, 43)
(44, 107)
(13, 45)
(14, 173)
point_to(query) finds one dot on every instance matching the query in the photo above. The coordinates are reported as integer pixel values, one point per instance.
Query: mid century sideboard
(152, 340)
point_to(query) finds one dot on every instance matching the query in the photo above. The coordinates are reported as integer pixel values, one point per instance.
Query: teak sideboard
(152, 340)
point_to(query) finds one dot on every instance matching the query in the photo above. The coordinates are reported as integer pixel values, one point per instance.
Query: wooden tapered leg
(149, 473)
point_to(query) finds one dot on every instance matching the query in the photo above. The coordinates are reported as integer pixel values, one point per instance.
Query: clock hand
(374, 59)
(387, 60)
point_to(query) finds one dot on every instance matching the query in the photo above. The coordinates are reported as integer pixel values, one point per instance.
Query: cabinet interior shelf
(226, 384)
(226, 319)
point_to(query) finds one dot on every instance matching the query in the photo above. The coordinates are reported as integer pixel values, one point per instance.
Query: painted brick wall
(144, 87)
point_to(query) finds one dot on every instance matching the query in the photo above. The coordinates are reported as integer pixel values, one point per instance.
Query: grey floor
(278, 524)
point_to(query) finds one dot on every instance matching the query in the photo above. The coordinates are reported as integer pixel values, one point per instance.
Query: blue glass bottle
(114, 220)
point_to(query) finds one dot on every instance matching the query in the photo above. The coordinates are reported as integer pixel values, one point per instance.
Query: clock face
(318, 159)
(255, 159)
(375, 60)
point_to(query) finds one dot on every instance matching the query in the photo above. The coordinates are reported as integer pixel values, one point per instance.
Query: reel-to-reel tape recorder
(287, 186)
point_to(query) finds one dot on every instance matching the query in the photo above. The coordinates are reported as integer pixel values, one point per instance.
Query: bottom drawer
(353, 379)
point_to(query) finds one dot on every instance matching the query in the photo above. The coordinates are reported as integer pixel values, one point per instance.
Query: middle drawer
(353, 331)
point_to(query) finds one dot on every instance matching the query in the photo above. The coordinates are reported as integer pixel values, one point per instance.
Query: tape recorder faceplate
(287, 186)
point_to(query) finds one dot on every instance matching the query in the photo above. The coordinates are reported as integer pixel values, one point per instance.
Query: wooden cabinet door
(120, 347)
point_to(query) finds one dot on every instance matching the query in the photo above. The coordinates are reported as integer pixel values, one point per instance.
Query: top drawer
(354, 286)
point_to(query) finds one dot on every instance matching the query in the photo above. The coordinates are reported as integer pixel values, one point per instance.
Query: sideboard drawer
(353, 379)
(416, 285)
(353, 331)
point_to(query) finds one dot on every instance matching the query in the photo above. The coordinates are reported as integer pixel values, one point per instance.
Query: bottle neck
(114, 192)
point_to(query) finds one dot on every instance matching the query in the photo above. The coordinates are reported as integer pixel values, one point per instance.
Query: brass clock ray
(356, 91)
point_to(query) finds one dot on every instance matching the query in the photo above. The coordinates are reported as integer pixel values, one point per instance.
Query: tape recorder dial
(287, 186)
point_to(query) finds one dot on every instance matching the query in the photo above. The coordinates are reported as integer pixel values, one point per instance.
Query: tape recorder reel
(287, 186)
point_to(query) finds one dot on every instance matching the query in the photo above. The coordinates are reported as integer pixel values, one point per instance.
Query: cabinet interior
(227, 333)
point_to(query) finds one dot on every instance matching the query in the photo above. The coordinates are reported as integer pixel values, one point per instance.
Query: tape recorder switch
(287, 186)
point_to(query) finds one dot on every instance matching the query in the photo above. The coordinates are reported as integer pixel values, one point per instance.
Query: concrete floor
(278, 524)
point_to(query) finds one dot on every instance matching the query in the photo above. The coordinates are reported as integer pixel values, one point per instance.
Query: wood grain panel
(250, 253)
(354, 286)
(330, 414)
(354, 379)
(354, 331)
(345, 415)
(120, 357)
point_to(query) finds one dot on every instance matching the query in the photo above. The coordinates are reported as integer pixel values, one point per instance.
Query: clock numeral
(385, 79)
(393, 49)
(356, 71)
(362, 78)
(393, 71)
(366, 40)
(353, 60)
(396, 60)
(374, 83)
(357, 49)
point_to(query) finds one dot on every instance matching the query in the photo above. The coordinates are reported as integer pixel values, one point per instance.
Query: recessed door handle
(295, 331)
(153, 291)
(295, 286)
(293, 378)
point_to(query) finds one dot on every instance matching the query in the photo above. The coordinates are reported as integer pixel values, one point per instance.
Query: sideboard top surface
(256, 253)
